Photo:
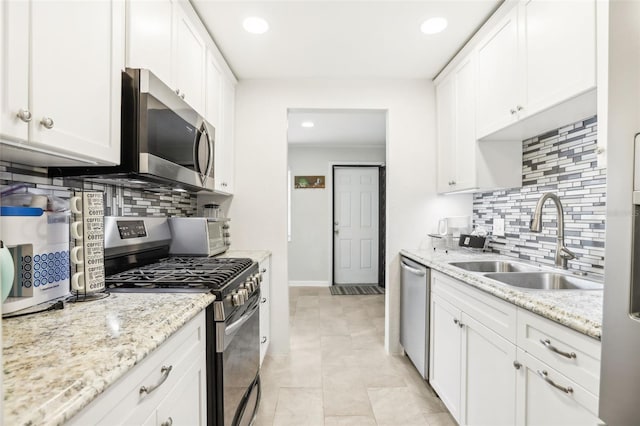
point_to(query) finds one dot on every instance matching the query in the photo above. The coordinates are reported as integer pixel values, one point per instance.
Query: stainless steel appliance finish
(199, 235)
(163, 139)
(414, 313)
(136, 251)
(544, 281)
(493, 266)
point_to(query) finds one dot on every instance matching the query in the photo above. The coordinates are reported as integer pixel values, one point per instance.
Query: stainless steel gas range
(137, 260)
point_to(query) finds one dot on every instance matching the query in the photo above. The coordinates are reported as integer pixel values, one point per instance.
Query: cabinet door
(149, 32)
(186, 404)
(224, 158)
(14, 69)
(265, 307)
(488, 376)
(499, 81)
(213, 95)
(560, 50)
(445, 346)
(540, 403)
(188, 60)
(446, 121)
(465, 125)
(77, 53)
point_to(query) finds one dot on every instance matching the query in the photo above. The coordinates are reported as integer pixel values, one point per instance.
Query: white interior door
(355, 227)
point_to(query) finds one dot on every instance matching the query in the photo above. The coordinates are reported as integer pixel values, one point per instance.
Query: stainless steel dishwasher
(414, 313)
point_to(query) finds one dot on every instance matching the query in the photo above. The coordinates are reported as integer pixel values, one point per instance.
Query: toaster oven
(199, 236)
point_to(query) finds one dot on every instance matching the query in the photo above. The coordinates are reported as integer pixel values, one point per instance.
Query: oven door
(238, 356)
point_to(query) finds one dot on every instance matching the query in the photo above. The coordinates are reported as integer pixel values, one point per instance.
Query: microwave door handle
(196, 154)
(210, 158)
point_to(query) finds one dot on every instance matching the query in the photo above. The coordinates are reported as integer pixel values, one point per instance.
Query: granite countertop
(255, 255)
(579, 310)
(56, 363)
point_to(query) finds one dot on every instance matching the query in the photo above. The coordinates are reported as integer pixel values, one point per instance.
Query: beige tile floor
(338, 374)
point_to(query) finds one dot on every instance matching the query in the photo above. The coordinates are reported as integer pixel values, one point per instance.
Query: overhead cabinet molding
(60, 82)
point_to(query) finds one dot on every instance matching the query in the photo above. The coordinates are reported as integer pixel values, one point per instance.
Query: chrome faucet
(563, 254)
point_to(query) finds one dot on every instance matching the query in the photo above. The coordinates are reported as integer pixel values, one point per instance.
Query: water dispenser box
(40, 248)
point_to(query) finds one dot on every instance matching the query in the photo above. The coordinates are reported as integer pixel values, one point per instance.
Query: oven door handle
(231, 328)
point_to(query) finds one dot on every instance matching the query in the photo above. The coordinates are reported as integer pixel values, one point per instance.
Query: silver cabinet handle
(516, 365)
(182, 95)
(519, 107)
(178, 92)
(548, 345)
(512, 111)
(24, 115)
(169, 422)
(264, 300)
(165, 373)
(457, 322)
(264, 339)
(263, 270)
(47, 122)
(545, 376)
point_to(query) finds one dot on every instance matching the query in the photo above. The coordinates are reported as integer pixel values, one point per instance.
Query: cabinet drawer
(124, 402)
(493, 313)
(573, 354)
(545, 396)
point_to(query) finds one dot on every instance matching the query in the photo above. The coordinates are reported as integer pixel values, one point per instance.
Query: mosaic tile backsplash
(119, 201)
(562, 161)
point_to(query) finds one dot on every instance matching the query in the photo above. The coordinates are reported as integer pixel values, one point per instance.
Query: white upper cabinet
(163, 38)
(537, 68)
(498, 76)
(224, 150)
(463, 163)
(149, 36)
(213, 95)
(189, 53)
(559, 38)
(61, 82)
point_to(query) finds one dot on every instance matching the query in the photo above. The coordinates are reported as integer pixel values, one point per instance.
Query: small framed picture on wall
(308, 182)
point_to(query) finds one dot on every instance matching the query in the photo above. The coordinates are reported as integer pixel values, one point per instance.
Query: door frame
(382, 187)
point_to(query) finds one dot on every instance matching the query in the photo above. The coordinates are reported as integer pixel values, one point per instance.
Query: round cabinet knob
(178, 92)
(47, 122)
(169, 422)
(264, 300)
(519, 107)
(24, 115)
(512, 111)
(182, 95)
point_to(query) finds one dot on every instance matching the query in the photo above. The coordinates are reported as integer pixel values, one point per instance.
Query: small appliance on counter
(39, 246)
(87, 236)
(199, 236)
(449, 231)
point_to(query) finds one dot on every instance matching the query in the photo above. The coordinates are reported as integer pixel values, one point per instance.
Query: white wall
(309, 248)
(259, 208)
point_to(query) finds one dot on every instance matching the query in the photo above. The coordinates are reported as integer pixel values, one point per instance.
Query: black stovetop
(182, 274)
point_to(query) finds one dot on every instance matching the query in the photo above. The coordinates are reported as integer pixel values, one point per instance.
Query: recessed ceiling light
(434, 25)
(307, 124)
(255, 25)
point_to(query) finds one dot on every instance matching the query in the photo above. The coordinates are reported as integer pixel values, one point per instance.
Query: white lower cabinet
(168, 387)
(548, 398)
(488, 376)
(485, 374)
(265, 307)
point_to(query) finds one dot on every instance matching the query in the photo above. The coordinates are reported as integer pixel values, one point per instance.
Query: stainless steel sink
(545, 281)
(494, 266)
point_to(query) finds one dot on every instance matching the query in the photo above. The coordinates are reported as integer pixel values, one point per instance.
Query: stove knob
(248, 285)
(236, 300)
(244, 293)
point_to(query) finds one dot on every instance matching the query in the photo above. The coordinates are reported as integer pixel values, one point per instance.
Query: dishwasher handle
(415, 271)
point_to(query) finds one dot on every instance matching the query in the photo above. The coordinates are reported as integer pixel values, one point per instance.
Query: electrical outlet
(498, 227)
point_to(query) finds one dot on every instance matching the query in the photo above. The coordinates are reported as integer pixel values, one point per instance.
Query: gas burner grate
(182, 272)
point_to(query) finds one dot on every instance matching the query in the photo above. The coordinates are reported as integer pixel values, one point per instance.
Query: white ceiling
(337, 128)
(340, 39)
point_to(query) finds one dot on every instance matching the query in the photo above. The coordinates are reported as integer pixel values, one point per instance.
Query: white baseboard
(308, 283)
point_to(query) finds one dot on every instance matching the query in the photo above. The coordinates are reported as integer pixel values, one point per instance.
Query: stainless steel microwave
(163, 139)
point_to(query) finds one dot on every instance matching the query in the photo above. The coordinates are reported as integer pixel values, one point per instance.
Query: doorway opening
(318, 141)
(359, 223)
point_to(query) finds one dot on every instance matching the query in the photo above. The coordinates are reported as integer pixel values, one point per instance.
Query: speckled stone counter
(255, 255)
(56, 363)
(577, 309)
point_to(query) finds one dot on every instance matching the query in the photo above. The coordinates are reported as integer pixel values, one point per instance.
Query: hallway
(337, 372)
